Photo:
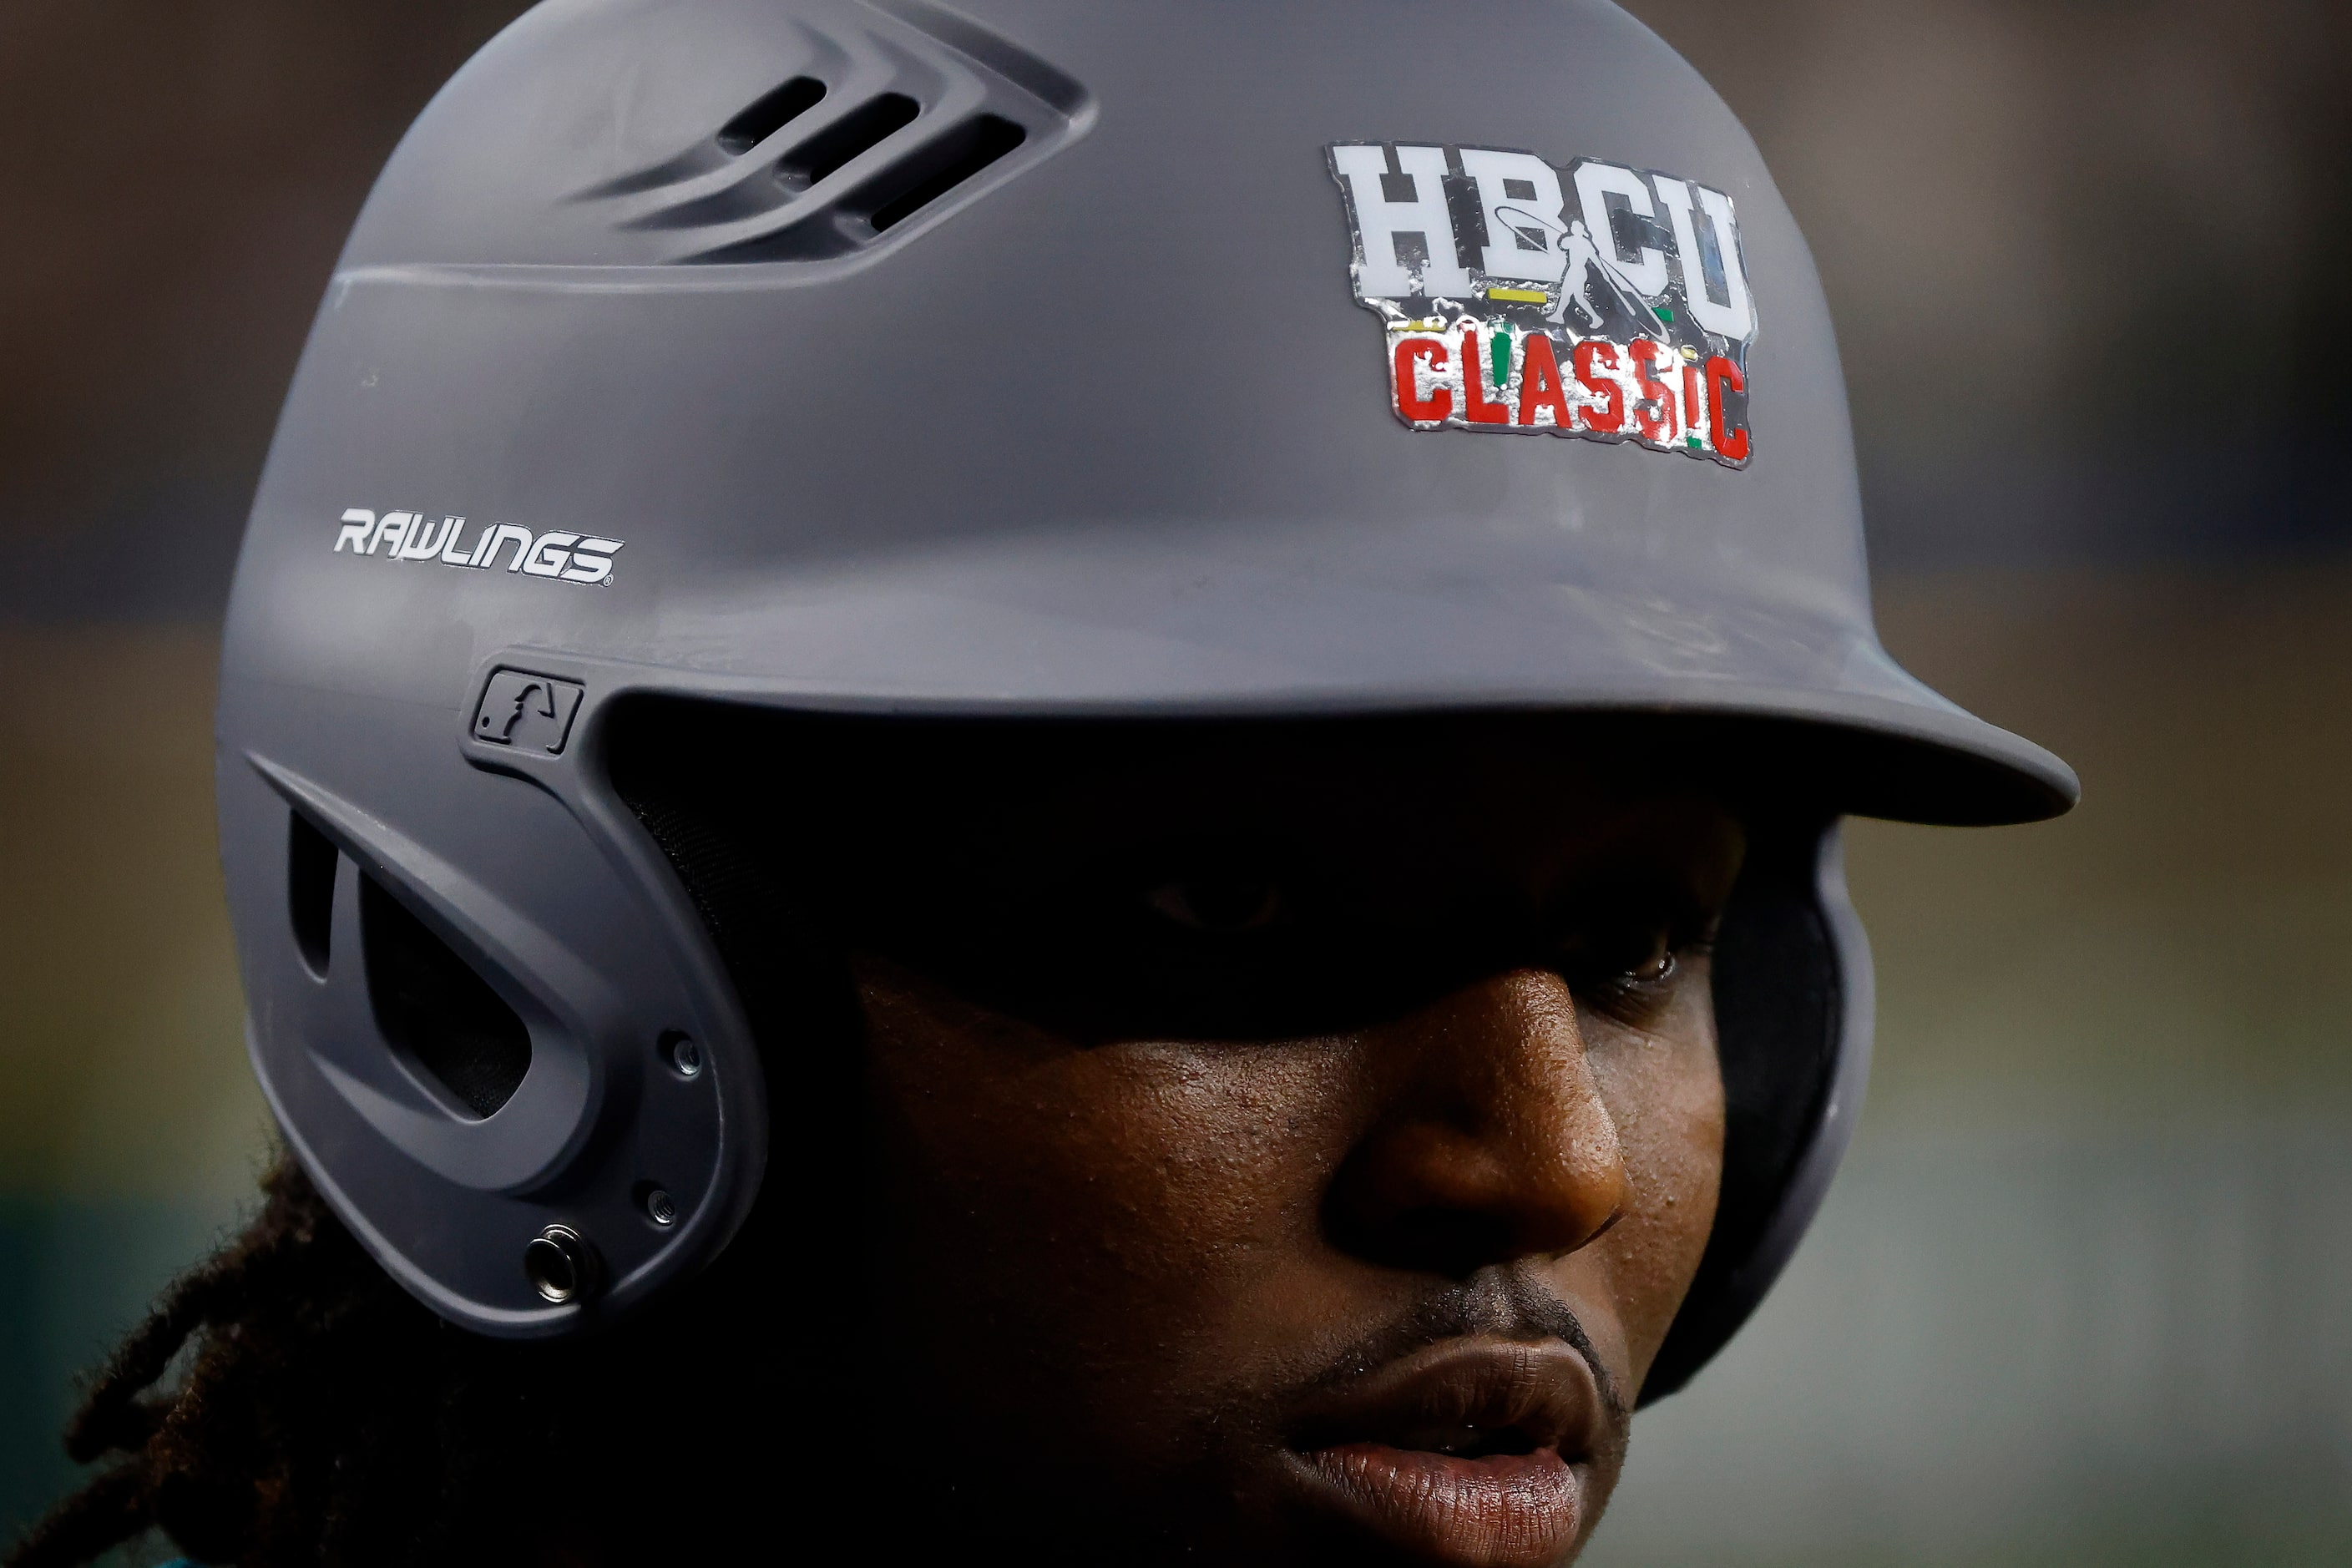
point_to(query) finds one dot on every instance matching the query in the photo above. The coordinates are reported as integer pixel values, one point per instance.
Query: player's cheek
(1664, 1091)
(1108, 1212)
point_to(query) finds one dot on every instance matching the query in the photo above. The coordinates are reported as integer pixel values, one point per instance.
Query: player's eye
(1656, 963)
(1636, 953)
(1219, 905)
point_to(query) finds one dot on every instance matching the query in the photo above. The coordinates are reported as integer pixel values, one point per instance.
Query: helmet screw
(660, 1207)
(683, 1054)
(560, 1264)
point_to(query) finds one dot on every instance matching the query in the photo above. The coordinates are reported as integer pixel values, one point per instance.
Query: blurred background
(2084, 1292)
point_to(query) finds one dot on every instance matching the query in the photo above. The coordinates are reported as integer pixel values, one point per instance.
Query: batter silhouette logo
(1587, 298)
(527, 710)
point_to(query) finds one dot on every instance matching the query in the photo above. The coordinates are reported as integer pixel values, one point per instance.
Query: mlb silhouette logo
(527, 710)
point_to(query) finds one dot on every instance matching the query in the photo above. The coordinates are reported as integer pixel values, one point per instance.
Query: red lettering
(1654, 413)
(1475, 406)
(1540, 385)
(1690, 402)
(1721, 374)
(1595, 364)
(1417, 409)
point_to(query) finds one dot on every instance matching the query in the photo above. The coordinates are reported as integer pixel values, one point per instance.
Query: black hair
(317, 1405)
(287, 1405)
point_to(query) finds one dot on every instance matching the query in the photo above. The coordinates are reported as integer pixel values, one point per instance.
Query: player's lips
(1471, 1451)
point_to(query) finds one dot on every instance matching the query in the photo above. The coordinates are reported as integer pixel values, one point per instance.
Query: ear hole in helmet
(436, 1011)
(771, 113)
(941, 168)
(310, 891)
(866, 126)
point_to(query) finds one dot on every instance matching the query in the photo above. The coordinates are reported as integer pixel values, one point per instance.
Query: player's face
(1287, 1151)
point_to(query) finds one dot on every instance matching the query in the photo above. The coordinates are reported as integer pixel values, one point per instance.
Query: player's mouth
(1474, 1451)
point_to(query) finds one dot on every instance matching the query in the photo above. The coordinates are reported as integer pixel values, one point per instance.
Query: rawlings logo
(413, 536)
(1586, 300)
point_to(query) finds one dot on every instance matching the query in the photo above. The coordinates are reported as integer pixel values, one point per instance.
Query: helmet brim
(1808, 708)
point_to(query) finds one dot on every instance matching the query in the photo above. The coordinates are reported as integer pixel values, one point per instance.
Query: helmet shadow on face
(1437, 915)
(1212, 880)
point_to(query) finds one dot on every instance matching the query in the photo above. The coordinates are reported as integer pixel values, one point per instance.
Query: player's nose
(1491, 1143)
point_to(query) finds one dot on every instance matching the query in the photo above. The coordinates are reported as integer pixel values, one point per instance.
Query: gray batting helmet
(1037, 357)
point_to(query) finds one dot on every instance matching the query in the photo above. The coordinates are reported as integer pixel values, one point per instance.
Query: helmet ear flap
(459, 1008)
(484, 1009)
(1793, 1008)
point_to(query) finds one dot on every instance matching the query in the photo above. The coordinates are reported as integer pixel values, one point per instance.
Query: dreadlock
(317, 1397)
(325, 1419)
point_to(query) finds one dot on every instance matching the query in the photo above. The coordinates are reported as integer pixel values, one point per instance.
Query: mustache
(1502, 1302)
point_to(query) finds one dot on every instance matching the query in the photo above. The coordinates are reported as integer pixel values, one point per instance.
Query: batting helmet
(1033, 358)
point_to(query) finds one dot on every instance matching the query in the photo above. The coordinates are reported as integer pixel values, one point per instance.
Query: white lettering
(424, 542)
(1734, 315)
(550, 555)
(1644, 267)
(1381, 221)
(487, 555)
(392, 529)
(413, 537)
(1520, 194)
(592, 562)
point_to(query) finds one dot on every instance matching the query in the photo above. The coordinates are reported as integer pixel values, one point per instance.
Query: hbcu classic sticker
(1584, 298)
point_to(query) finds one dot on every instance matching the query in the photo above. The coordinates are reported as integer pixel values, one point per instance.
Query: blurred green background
(2084, 1292)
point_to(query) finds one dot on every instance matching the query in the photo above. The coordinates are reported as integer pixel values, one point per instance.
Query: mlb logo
(527, 710)
(1588, 299)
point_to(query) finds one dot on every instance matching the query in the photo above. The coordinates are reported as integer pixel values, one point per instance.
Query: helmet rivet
(683, 1054)
(560, 1264)
(660, 1207)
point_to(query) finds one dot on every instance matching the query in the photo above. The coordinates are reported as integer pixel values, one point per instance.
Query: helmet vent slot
(858, 126)
(770, 114)
(438, 1011)
(939, 168)
(868, 125)
(310, 891)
